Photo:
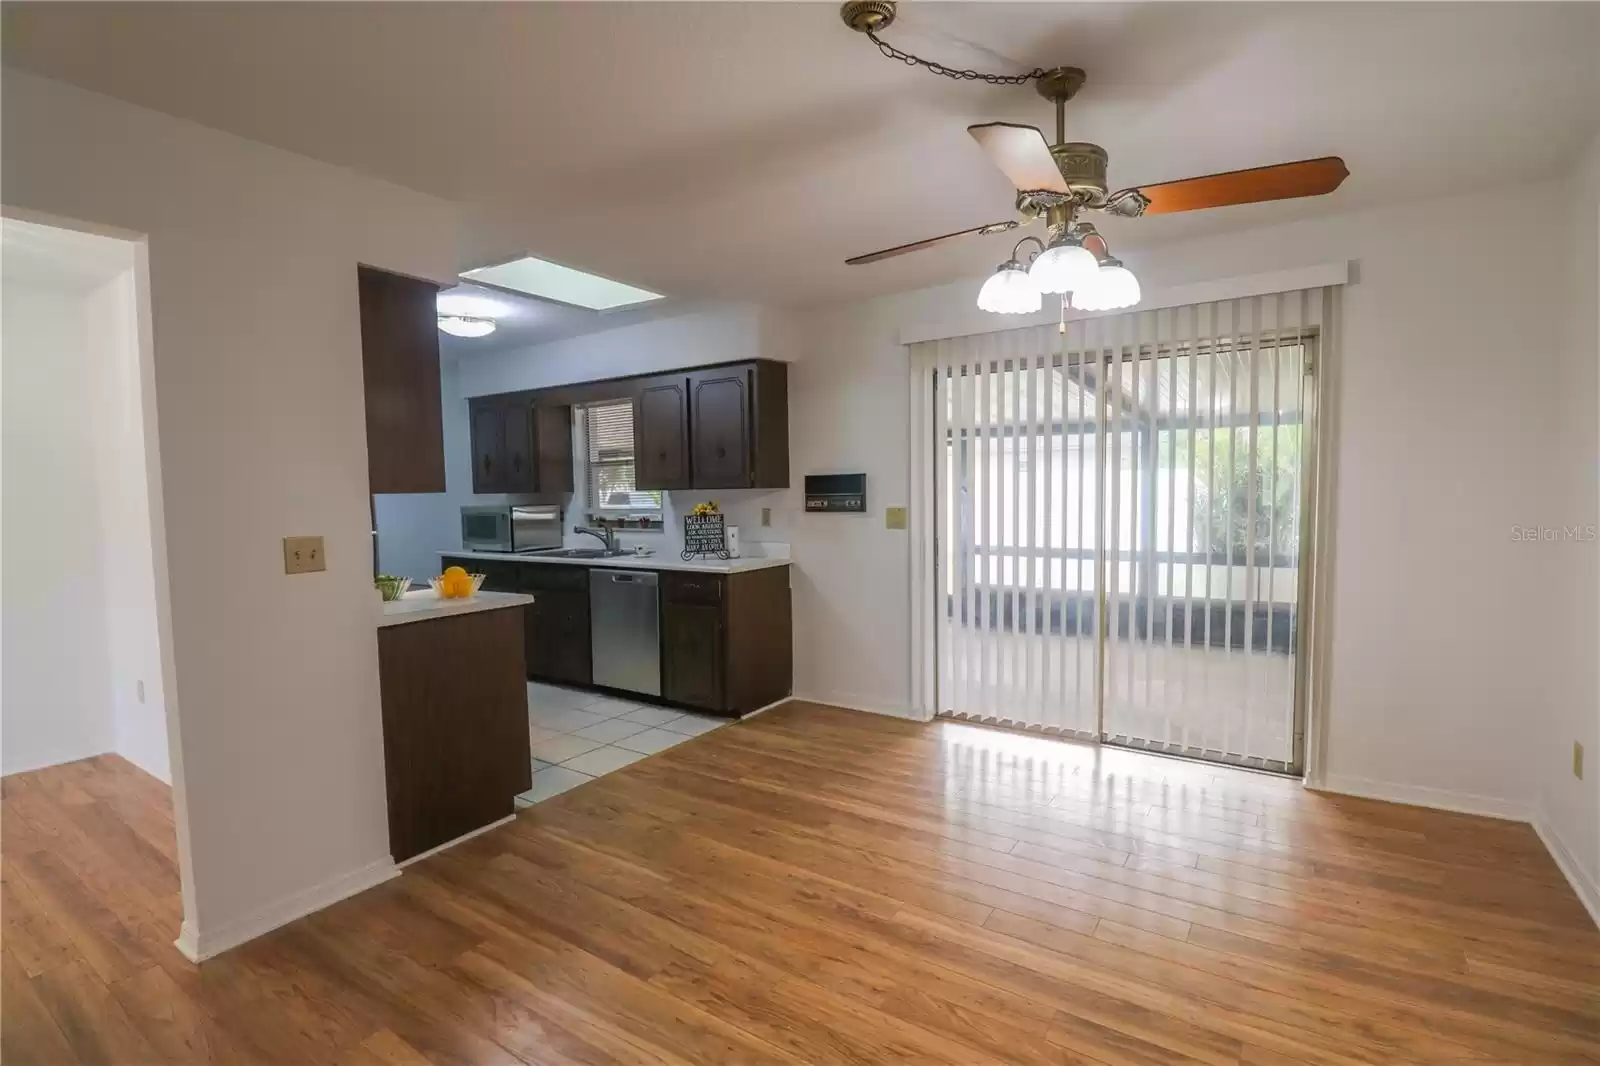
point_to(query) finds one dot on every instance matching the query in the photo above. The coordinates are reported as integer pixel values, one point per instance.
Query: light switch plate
(1577, 760)
(894, 518)
(766, 516)
(303, 555)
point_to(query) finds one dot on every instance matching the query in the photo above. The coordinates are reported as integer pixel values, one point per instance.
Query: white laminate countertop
(635, 562)
(425, 604)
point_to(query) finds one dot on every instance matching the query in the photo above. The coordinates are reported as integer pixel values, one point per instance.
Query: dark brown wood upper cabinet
(552, 444)
(739, 426)
(516, 430)
(723, 427)
(661, 433)
(488, 445)
(400, 370)
(721, 454)
(719, 427)
(520, 448)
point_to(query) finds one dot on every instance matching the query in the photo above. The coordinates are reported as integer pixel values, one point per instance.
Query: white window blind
(609, 475)
(1117, 512)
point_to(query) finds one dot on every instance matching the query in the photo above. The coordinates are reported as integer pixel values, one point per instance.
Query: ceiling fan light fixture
(465, 326)
(1009, 291)
(1064, 267)
(1112, 287)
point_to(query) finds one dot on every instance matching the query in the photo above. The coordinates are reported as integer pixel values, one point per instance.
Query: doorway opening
(90, 820)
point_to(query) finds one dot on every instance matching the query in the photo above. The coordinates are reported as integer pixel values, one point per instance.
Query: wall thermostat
(845, 493)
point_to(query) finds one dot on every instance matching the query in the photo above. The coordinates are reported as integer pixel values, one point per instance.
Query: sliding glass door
(1119, 510)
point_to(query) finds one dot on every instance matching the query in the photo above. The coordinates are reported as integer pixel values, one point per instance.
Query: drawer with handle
(678, 587)
(553, 577)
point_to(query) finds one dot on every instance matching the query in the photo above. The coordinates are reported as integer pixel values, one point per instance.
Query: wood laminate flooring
(820, 886)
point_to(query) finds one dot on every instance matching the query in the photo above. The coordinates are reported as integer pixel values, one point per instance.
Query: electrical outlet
(303, 555)
(766, 516)
(894, 518)
(1577, 759)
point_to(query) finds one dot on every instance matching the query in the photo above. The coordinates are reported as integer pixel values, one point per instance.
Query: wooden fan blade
(902, 249)
(1022, 154)
(1285, 181)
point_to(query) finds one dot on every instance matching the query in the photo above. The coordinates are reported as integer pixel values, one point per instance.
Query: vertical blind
(1117, 511)
(608, 429)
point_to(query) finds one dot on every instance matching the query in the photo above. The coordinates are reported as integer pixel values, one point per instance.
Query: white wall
(278, 771)
(118, 401)
(1570, 808)
(57, 680)
(1446, 394)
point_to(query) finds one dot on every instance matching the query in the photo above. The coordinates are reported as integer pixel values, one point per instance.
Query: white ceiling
(743, 150)
(522, 320)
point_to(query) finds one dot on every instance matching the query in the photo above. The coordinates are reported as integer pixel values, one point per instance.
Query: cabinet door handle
(722, 453)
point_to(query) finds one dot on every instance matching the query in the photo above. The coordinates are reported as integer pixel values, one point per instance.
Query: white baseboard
(850, 704)
(197, 946)
(1417, 796)
(768, 707)
(41, 760)
(1582, 882)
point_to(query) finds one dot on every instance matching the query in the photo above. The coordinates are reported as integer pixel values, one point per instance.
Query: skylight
(552, 281)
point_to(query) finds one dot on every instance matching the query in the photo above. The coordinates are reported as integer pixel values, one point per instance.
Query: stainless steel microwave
(506, 528)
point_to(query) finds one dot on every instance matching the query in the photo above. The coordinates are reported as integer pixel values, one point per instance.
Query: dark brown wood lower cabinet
(558, 623)
(455, 725)
(558, 637)
(726, 639)
(691, 654)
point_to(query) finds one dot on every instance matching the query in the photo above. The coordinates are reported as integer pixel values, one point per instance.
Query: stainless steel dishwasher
(624, 622)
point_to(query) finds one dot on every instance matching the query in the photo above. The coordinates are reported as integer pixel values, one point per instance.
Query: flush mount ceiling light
(1056, 182)
(465, 326)
(464, 313)
(463, 301)
(552, 281)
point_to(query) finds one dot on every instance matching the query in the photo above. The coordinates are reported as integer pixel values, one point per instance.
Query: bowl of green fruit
(391, 587)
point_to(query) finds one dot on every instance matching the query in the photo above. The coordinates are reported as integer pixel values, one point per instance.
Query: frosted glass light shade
(1113, 286)
(1009, 291)
(1063, 268)
(462, 326)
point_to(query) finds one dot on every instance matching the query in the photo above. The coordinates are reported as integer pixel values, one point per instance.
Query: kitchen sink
(579, 553)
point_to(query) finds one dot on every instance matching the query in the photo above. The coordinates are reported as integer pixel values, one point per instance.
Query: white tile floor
(578, 735)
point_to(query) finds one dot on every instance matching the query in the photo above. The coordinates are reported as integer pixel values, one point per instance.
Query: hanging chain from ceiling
(933, 67)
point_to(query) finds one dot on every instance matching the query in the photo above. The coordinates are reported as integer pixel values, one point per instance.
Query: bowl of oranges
(456, 584)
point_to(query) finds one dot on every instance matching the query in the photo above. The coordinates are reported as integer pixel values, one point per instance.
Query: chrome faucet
(605, 536)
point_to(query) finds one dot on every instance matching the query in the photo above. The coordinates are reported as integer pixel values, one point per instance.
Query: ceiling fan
(1058, 182)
